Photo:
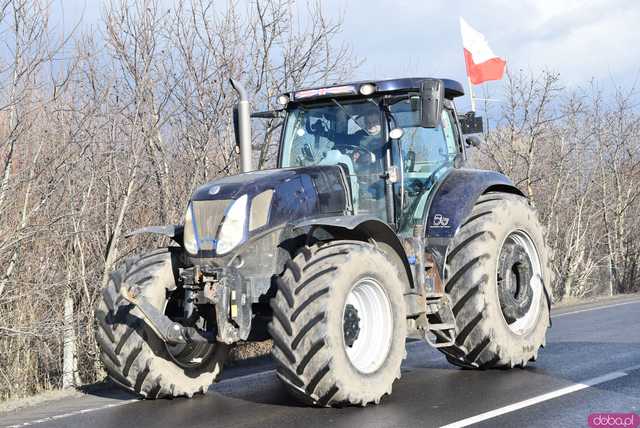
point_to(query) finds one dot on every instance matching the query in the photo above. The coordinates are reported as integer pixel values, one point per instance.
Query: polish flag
(482, 63)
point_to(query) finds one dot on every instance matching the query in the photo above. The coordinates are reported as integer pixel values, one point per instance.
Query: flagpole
(473, 100)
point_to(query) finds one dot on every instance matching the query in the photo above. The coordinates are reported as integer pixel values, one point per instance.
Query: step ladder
(441, 331)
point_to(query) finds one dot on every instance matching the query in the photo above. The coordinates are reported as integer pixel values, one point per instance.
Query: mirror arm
(269, 114)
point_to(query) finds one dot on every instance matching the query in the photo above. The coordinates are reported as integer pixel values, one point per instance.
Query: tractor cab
(395, 139)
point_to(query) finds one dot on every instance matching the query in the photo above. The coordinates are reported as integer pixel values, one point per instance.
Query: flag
(482, 64)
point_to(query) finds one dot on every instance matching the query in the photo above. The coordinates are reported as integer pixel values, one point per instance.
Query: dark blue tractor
(371, 230)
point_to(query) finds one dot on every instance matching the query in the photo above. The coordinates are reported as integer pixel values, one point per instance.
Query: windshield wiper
(344, 110)
(390, 117)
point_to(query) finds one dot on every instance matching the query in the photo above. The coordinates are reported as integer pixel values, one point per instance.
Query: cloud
(581, 40)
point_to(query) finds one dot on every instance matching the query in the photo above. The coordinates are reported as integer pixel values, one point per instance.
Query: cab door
(425, 156)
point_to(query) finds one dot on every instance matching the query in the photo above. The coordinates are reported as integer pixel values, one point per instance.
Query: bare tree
(113, 131)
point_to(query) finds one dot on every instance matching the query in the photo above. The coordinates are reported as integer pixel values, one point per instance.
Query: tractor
(370, 231)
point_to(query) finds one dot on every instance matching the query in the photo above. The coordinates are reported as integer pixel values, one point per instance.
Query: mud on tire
(308, 327)
(484, 338)
(133, 356)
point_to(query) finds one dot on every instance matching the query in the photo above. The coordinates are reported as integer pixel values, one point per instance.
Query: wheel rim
(367, 325)
(519, 281)
(189, 355)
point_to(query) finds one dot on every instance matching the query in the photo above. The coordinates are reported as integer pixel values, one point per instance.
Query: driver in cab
(368, 138)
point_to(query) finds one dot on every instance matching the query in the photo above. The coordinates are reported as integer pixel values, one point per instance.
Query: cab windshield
(350, 134)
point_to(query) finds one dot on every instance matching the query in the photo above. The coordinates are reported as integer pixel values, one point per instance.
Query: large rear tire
(339, 324)
(497, 269)
(133, 356)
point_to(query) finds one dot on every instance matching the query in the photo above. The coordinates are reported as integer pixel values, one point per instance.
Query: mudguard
(455, 197)
(369, 227)
(451, 203)
(173, 231)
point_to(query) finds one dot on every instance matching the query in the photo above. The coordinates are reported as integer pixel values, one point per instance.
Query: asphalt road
(591, 364)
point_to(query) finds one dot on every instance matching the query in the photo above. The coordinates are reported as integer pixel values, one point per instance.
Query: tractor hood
(261, 200)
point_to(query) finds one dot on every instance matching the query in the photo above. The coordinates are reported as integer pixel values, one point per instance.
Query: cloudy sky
(581, 40)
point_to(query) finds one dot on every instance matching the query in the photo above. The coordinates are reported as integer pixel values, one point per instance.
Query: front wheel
(133, 356)
(339, 324)
(498, 268)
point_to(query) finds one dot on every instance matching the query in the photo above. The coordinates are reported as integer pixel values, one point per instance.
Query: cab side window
(448, 130)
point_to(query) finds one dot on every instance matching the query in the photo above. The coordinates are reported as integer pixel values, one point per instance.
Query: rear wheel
(496, 273)
(339, 324)
(134, 357)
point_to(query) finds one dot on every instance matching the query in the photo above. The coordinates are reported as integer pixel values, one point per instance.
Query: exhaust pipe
(242, 126)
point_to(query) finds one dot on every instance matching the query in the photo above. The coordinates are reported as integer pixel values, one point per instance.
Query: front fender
(173, 231)
(367, 227)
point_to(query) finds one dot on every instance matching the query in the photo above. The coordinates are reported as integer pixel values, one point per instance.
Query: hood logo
(440, 221)
(214, 190)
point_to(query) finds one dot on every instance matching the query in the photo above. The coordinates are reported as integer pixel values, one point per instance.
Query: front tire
(497, 271)
(133, 356)
(339, 324)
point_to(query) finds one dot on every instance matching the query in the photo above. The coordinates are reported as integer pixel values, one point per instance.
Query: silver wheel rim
(370, 349)
(525, 323)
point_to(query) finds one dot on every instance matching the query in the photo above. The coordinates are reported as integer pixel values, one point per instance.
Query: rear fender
(452, 203)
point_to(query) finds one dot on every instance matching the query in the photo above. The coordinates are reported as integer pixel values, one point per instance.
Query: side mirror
(432, 93)
(470, 123)
(474, 141)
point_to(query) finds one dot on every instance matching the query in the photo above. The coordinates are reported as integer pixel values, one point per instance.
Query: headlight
(233, 227)
(189, 235)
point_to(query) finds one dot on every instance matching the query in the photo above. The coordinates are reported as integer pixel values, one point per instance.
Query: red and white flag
(482, 63)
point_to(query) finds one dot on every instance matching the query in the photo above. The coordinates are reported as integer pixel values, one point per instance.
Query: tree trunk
(70, 357)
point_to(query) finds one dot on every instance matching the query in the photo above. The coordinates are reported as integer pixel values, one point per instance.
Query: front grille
(207, 216)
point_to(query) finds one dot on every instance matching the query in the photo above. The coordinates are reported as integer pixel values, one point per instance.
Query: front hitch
(169, 331)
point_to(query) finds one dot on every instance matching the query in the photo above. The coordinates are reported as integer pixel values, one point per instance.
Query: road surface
(591, 364)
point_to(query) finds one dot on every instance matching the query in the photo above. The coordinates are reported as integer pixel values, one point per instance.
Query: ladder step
(442, 326)
(434, 296)
(432, 308)
(435, 344)
(442, 344)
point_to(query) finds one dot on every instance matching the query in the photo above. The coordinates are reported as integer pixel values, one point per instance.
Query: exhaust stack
(242, 126)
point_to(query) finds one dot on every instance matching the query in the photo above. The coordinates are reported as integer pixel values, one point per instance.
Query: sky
(581, 40)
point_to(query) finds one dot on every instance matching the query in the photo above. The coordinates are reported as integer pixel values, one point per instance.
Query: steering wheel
(358, 154)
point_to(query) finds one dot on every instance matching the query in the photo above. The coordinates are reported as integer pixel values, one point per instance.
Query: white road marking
(594, 309)
(74, 413)
(541, 398)
(246, 377)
